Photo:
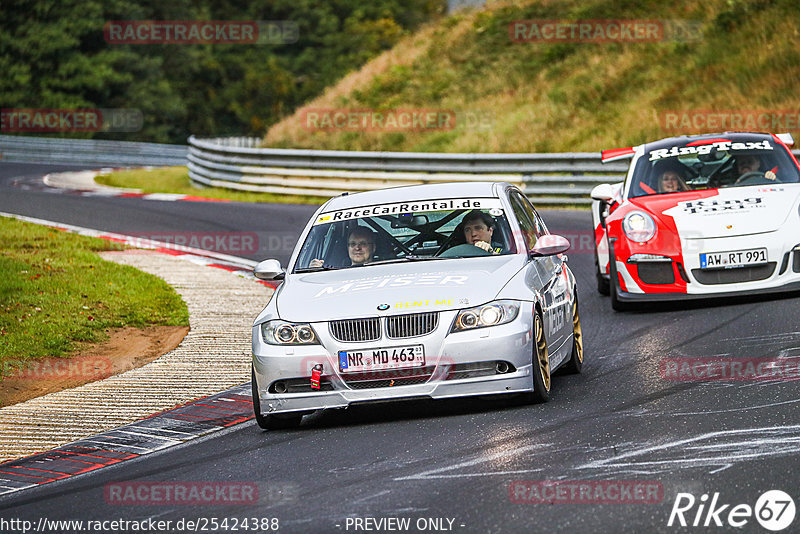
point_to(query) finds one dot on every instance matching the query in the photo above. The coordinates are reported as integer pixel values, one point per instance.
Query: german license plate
(352, 361)
(732, 259)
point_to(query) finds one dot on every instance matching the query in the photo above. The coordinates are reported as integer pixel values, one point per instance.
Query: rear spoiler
(786, 138)
(613, 154)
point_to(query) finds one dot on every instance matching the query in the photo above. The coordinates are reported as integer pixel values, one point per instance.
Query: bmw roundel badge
(382, 307)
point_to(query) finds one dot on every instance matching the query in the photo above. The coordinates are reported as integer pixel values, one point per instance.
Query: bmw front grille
(397, 327)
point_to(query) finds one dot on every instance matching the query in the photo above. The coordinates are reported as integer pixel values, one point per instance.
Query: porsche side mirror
(550, 245)
(603, 193)
(269, 270)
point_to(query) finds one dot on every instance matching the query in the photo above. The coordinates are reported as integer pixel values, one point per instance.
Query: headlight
(491, 314)
(283, 333)
(639, 226)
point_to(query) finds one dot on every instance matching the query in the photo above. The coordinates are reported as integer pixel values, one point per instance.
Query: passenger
(360, 247)
(671, 181)
(671, 178)
(478, 230)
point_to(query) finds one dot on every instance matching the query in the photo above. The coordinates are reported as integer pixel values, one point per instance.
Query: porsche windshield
(411, 231)
(713, 164)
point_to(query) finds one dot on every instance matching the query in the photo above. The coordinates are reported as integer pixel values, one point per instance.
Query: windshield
(710, 165)
(412, 231)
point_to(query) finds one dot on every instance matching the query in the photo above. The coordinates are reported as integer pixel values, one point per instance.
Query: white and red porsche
(699, 216)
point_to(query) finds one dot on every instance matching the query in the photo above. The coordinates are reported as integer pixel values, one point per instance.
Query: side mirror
(550, 245)
(269, 270)
(603, 192)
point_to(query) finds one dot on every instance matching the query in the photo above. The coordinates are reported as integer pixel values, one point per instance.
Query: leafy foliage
(54, 55)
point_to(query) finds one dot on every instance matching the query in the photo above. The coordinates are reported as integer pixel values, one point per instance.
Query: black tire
(541, 365)
(575, 363)
(603, 286)
(271, 422)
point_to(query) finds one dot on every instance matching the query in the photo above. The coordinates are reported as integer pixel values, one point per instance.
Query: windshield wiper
(410, 257)
(315, 269)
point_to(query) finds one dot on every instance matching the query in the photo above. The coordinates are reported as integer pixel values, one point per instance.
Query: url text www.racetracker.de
(107, 526)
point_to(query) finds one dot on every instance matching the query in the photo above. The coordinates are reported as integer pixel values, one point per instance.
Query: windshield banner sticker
(706, 149)
(409, 207)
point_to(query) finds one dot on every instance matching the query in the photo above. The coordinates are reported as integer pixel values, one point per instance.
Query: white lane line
(148, 436)
(775, 441)
(432, 473)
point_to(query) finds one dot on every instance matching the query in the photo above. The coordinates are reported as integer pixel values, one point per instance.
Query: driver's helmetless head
(670, 182)
(745, 164)
(361, 245)
(478, 226)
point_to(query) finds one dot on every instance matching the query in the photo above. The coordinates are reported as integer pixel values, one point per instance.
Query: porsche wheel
(575, 363)
(271, 422)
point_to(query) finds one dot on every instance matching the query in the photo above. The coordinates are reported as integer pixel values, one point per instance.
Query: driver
(751, 163)
(478, 229)
(360, 247)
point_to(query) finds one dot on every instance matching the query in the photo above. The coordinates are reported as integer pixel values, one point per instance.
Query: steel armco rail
(238, 163)
(90, 152)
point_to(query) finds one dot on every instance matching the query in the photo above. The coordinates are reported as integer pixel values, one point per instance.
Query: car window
(525, 217)
(405, 231)
(712, 164)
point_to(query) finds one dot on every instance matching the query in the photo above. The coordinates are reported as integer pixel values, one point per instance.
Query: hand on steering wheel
(751, 175)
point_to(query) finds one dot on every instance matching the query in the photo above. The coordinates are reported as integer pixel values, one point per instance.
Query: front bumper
(445, 352)
(780, 274)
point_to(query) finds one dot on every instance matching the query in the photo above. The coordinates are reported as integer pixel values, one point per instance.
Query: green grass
(57, 294)
(565, 97)
(176, 180)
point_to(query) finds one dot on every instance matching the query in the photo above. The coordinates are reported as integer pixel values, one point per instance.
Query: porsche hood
(388, 290)
(729, 212)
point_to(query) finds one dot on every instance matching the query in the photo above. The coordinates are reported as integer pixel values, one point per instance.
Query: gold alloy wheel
(577, 332)
(542, 356)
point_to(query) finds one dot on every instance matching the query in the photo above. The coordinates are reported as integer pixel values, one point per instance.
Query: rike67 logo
(774, 510)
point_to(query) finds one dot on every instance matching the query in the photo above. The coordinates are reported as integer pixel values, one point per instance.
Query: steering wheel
(757, 177)
(464, 251)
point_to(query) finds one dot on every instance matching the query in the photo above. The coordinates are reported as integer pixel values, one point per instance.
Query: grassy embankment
(176, 180)
(563, 97)
(57, 295)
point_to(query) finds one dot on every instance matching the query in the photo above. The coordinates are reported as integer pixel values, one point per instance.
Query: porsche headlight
(491, 314)
(284, 333)
(639, 226)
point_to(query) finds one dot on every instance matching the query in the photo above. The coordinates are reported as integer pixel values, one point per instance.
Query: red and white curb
(82, 183)
(156, 432)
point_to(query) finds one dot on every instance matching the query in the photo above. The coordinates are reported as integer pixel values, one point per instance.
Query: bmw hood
(729, 212)
(395, 288)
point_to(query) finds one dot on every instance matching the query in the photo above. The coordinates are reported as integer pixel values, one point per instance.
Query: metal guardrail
(238, 163)
(89, 152)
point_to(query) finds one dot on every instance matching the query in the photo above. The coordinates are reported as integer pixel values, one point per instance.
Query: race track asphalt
(618, 421)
